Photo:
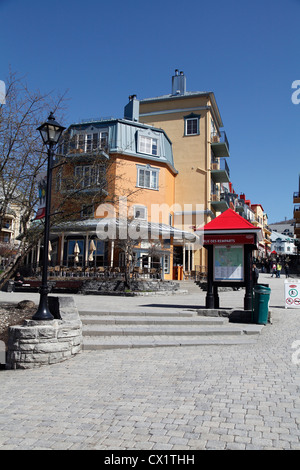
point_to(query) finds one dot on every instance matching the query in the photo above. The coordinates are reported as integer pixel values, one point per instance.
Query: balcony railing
(220, 144)
(224, 166)
(220, 138)
(297, 212)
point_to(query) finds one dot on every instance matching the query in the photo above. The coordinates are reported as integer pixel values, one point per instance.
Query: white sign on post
(292, 294)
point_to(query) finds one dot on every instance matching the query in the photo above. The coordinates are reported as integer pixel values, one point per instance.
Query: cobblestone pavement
(186, 398)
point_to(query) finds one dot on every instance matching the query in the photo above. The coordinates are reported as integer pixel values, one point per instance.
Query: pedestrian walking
(278, 269)
(287, 269)
(273, 269)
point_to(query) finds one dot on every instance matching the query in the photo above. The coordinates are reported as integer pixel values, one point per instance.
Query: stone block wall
(38, 343)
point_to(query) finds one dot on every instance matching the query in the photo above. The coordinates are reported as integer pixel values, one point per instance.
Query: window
(140, 212)
(166, 261)
(87, 211)
(191, 124)
(87, 175)
(147, 177)
(148, 145)
(92, 141)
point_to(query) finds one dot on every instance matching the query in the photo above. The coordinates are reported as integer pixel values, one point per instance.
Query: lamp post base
(43, 312)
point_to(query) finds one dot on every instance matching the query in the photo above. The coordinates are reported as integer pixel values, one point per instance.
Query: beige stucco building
(194, 125)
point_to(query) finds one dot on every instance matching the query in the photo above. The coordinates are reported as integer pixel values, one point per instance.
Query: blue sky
(246, 52)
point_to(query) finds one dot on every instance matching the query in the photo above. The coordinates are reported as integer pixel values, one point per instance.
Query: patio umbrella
(76, 252)
(92, 248)
(49, 251)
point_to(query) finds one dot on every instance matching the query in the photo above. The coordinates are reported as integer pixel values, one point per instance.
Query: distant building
(296, 200)
(285, 228)
(283, 244)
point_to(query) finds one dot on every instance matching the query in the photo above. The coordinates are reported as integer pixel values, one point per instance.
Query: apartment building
(193, 123)
(113, 170)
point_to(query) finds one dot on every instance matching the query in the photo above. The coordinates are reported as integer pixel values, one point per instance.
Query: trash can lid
(262, 289)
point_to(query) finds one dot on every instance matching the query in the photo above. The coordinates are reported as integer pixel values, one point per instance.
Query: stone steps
(105, 330)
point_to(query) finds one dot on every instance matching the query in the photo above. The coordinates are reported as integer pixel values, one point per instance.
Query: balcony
(297, 197)
(297, 213)
(220, 144)
(220, 171)
(219, 203)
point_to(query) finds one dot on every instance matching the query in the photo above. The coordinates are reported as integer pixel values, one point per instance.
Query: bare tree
(21, 154)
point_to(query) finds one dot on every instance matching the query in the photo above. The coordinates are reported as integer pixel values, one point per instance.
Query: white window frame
(150, 178)
(140, 208)
(88, 175)
(148, 145)
(91, 141)
(189, 119)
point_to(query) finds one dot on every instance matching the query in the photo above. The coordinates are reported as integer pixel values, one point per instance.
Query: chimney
(178, 83)
(132, 109)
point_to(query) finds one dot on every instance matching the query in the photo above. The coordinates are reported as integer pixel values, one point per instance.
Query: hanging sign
(42, 188)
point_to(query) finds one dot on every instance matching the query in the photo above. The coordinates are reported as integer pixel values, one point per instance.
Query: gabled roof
(229, 220)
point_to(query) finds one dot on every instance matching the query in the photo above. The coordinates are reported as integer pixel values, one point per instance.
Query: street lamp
(51, 132)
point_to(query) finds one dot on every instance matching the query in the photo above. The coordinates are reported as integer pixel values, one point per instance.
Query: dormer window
(148, 145)
(90, 142)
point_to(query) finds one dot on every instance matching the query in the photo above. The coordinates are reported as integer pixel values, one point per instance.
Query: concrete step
(168, 313)
(91, 343)
(103, 330)
(151, 320)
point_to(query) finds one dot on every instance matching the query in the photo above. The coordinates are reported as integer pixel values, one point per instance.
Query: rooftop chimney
(132, 109)
(178, 83)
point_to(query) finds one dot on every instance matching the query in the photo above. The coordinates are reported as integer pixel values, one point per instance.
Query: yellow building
(121, 170)
(193, 123)
(261, 221)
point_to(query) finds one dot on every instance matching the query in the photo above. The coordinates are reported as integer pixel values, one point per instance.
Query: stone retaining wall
(38, 343)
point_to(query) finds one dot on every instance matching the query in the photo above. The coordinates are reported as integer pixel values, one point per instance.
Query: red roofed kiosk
(230, 240)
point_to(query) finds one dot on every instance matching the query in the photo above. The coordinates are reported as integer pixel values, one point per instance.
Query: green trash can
(261, 304)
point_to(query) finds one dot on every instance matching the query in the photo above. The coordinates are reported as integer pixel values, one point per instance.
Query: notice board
(229, 263)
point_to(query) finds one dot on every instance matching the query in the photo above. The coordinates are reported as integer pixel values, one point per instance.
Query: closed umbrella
(49, 251)
(76, 252)
(92, 248)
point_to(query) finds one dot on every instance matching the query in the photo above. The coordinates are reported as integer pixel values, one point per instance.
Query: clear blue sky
(246, 52)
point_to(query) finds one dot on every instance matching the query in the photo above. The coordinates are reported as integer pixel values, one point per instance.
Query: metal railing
(220, 138)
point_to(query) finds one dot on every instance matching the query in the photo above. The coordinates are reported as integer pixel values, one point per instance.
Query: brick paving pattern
(242, 397)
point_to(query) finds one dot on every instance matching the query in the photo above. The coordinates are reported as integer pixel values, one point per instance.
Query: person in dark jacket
(19, 279)
(255, 274)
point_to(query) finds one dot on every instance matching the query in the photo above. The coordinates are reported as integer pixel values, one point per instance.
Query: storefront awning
(116, 228)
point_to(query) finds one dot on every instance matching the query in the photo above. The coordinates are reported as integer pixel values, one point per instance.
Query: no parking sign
(292, 294)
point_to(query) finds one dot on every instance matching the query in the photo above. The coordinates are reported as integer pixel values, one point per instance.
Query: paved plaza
(239, 397)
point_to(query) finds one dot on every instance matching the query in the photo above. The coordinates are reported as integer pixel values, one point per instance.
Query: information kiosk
(230, 240)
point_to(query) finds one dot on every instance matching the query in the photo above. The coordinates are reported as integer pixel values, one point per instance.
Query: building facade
(193, 122)
(110, 171)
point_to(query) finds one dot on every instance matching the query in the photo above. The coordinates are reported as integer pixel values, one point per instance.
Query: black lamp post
(51, 132)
